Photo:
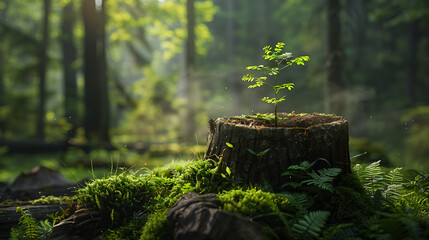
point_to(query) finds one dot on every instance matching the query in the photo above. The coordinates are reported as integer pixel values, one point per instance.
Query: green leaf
(229, 145)
(268, 100)
(300, 60)
(264, 152)
(251, 151)
(248, 78)
(228, 171)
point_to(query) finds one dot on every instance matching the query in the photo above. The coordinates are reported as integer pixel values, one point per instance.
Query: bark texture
(288, 146)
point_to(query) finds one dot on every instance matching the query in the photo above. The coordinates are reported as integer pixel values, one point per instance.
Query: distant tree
(2, 95)
(96, 120)
(190, 124)
(40, 126)
(2, 87)
(412, 64)
(69, 70)
(334, 59)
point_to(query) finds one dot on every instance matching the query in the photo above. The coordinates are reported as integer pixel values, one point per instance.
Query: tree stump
(298, 138)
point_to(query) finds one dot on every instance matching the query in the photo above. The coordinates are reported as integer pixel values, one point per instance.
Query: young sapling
(282, 60)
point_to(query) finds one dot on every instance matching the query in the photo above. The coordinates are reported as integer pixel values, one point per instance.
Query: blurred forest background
(147, 75)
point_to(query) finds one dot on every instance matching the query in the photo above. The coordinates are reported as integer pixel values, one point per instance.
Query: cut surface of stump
(298, 138)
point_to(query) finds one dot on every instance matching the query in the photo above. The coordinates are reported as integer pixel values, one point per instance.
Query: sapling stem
(275, 103)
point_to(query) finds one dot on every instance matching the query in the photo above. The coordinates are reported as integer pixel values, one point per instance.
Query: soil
(285, 120)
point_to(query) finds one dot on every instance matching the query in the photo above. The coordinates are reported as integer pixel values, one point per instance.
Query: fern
(27, 226)
(340, 232)
(310, 226)
(323, 178)
(298, 200)
(371, 177)
(394, 184)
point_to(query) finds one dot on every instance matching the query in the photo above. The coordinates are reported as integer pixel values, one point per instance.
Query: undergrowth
(313, 203)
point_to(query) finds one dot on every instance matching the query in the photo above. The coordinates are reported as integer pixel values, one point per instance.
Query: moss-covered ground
(369, 203)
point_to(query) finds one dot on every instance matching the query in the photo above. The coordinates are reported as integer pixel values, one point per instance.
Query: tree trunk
(190, 125)
(96, 122)
(233, 83)
(314, 136)
(413, 40)
(40, 126)
(334, 58)
(2, 96)
(69, 71)
(3, 47)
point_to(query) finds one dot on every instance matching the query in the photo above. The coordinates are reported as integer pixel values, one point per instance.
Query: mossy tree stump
(297, 138)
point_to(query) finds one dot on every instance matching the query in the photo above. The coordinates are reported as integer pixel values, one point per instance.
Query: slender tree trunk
(2, 95)
(69, 72)
(334, 58)
(233, 82)
(40, 126)
(96, 121)
(102, 72)
(3, 13)
(190, 65)
(413, 40)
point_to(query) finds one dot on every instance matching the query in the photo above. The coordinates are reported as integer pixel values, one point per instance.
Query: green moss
(156, 227)
(251, 202)
(120, 196)
(131, 231)
(46, 200)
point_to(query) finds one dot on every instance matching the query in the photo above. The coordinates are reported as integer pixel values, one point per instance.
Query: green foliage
(310, 225)
(29, 228)
(390, 185)
(282, 61)
(322, 178)
(416, 201)
(130, 230)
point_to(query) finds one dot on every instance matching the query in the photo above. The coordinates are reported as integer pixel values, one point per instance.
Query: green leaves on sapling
(282, 60)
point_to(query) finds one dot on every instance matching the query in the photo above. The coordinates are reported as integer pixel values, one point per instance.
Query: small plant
(29, 228)
(282, 60)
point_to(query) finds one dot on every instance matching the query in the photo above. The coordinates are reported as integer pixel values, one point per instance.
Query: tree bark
(96, 121)
(40, 125)
(190, 125)
(287, 146)
(334, 58)
(69, 71)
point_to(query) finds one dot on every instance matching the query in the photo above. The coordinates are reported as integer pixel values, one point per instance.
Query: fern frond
(323, 178)
(340, 232)
(298, 200)
(27, 226)
(394, 184)
(310, 226)
(372, 177)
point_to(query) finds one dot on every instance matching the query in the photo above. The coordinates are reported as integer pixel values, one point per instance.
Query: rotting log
(298, 138)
